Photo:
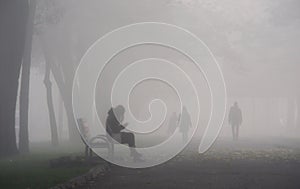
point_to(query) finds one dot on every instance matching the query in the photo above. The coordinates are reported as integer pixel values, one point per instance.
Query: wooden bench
(99, 141)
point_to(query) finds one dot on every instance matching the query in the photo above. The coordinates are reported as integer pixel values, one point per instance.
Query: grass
(32, 171)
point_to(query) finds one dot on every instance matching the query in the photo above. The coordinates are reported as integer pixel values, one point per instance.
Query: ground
(249, 163)
(33, 171)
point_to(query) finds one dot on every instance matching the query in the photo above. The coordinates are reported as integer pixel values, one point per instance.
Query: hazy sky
(256, 42)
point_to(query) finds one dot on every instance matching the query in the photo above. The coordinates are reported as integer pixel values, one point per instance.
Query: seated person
(114, 128)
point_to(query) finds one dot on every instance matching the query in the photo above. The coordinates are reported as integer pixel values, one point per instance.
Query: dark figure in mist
(185, 124)
(114, 127)
(173, 123)
(235, 120)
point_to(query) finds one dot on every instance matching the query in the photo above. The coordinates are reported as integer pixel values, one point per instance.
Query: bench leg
(86, 153)
(111, 150)
(90, 152)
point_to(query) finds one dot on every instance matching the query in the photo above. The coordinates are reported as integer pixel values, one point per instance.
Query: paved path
(246, 164)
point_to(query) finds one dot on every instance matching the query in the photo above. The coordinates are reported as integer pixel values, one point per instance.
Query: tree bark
(291, 113)
(298, 112)
(13, 19)
(67, 69)
(52, 119)
(63, 76)
(73, 133)
(60, 117)
(25, 82)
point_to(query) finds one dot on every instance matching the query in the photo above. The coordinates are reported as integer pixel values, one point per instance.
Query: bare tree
(53, 125)
(25, 77)
(60, 61)
(44, 17)
(298, 112)
(13, 19)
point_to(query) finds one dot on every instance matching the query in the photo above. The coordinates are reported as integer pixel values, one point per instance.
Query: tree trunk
(298, 112)
(52, 119)
(65, 88)
(64, 82)
(253, 113)
(60, 117)
(13, 19)
(24, 93)
(68, 71)
(291, 113)
(73, 133)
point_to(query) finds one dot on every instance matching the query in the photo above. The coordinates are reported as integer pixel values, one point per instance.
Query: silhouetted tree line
(19, 21)
(13, 22)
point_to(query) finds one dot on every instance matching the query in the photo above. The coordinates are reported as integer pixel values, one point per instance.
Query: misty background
(255, 42)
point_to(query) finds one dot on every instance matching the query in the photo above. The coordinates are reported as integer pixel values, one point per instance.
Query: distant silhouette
(185, 124)
(235, 120)
(173, 123)
(114, 127)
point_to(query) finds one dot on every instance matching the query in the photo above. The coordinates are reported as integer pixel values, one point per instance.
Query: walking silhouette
(185, 124)
(235, 120)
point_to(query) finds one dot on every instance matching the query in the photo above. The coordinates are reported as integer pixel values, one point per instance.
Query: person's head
(235, 104)
(118, 112)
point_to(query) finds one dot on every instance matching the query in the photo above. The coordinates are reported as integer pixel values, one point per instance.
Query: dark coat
(235, 116)
(113, 126)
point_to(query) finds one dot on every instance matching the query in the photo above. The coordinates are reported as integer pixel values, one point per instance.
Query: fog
(255, 42)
